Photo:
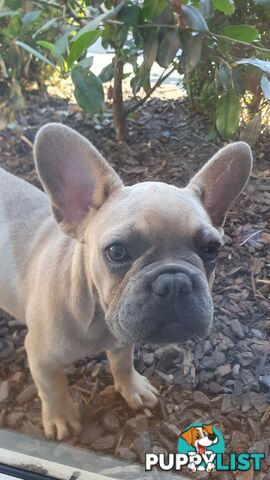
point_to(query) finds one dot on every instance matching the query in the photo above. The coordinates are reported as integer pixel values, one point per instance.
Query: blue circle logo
(201, 439)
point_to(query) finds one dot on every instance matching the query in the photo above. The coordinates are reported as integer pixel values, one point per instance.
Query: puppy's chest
(85, 337)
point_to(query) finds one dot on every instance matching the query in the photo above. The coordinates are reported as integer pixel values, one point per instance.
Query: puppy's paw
(137, 391)
(210, 467)
(192, 467)
(57, 421)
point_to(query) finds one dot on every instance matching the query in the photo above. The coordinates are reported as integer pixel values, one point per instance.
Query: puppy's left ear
(222, 179)
(187, 435)
(74, 174)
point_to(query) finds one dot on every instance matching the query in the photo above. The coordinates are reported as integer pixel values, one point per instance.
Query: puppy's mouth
(201, 449)
(175, 332)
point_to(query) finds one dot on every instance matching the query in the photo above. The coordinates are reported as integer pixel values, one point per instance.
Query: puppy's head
(151, 248)
(200, 437)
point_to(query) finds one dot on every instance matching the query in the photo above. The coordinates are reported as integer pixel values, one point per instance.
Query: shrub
(215, 44)
(19, 67)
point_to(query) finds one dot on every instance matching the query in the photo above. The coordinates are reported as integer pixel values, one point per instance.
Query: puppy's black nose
(212, 436)
(172, 284)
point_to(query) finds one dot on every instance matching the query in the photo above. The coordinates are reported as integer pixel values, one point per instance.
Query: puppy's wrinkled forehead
(155, 209)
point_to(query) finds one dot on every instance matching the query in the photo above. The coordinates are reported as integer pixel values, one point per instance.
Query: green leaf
(61, 44)
(8, 13)
(168, 48)
(263, 65)
(86, 62)
(206, 8)
(45, 27)
(191, 55)
(135, 84)
(120, 36)
(228, 114)
(138, 38)
(130, 15)
(13, 4)
(144, 73)
(265, 85)
(30, 17)
(149, 57)
(150, 49)
(106, 74)
(48, 45)
(193, 18)
(88, 90)
(52, 49)
(94, 24)
(35, 53)
(223, 77)
(12, 29)
(239, 81)
(245, 33)
(152, 9)
(81, 44)
(225, 6)
(166, 17)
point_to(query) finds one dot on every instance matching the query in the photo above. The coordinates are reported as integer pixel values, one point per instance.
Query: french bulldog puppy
(94, 265)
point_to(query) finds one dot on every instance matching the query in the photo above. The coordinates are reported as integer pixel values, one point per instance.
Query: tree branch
(79, 7)
(233, 40)
(119, 114)
(149, 93)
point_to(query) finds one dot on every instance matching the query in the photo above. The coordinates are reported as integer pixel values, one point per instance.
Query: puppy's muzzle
(174, 295)
(171, 286)
(164, 303)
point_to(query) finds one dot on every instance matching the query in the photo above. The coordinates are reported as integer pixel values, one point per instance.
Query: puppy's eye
(198, 436)
(209, 252)
(208, 242)
(117, 253)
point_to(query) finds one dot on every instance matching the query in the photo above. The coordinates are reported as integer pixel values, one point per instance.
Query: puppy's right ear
(74, 174)
(209, 429)
(222, 179)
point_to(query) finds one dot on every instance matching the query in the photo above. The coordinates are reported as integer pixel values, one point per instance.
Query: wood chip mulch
(224, 380)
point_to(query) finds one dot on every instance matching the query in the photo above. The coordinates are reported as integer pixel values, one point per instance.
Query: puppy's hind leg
(58, 412)
(135, 388)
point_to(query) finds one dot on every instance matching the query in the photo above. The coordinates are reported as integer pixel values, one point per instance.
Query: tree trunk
(119, 115)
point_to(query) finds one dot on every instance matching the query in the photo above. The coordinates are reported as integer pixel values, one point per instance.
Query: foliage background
(220, 47)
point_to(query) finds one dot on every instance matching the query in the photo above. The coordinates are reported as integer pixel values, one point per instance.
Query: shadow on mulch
(224, 380)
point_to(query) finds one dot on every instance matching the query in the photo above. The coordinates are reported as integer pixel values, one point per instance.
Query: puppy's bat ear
(187, 436)
(208, 428)
(222, 179)
(74, 174)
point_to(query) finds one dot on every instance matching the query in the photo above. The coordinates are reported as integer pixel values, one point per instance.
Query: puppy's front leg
(135, 388)
(58, 412)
